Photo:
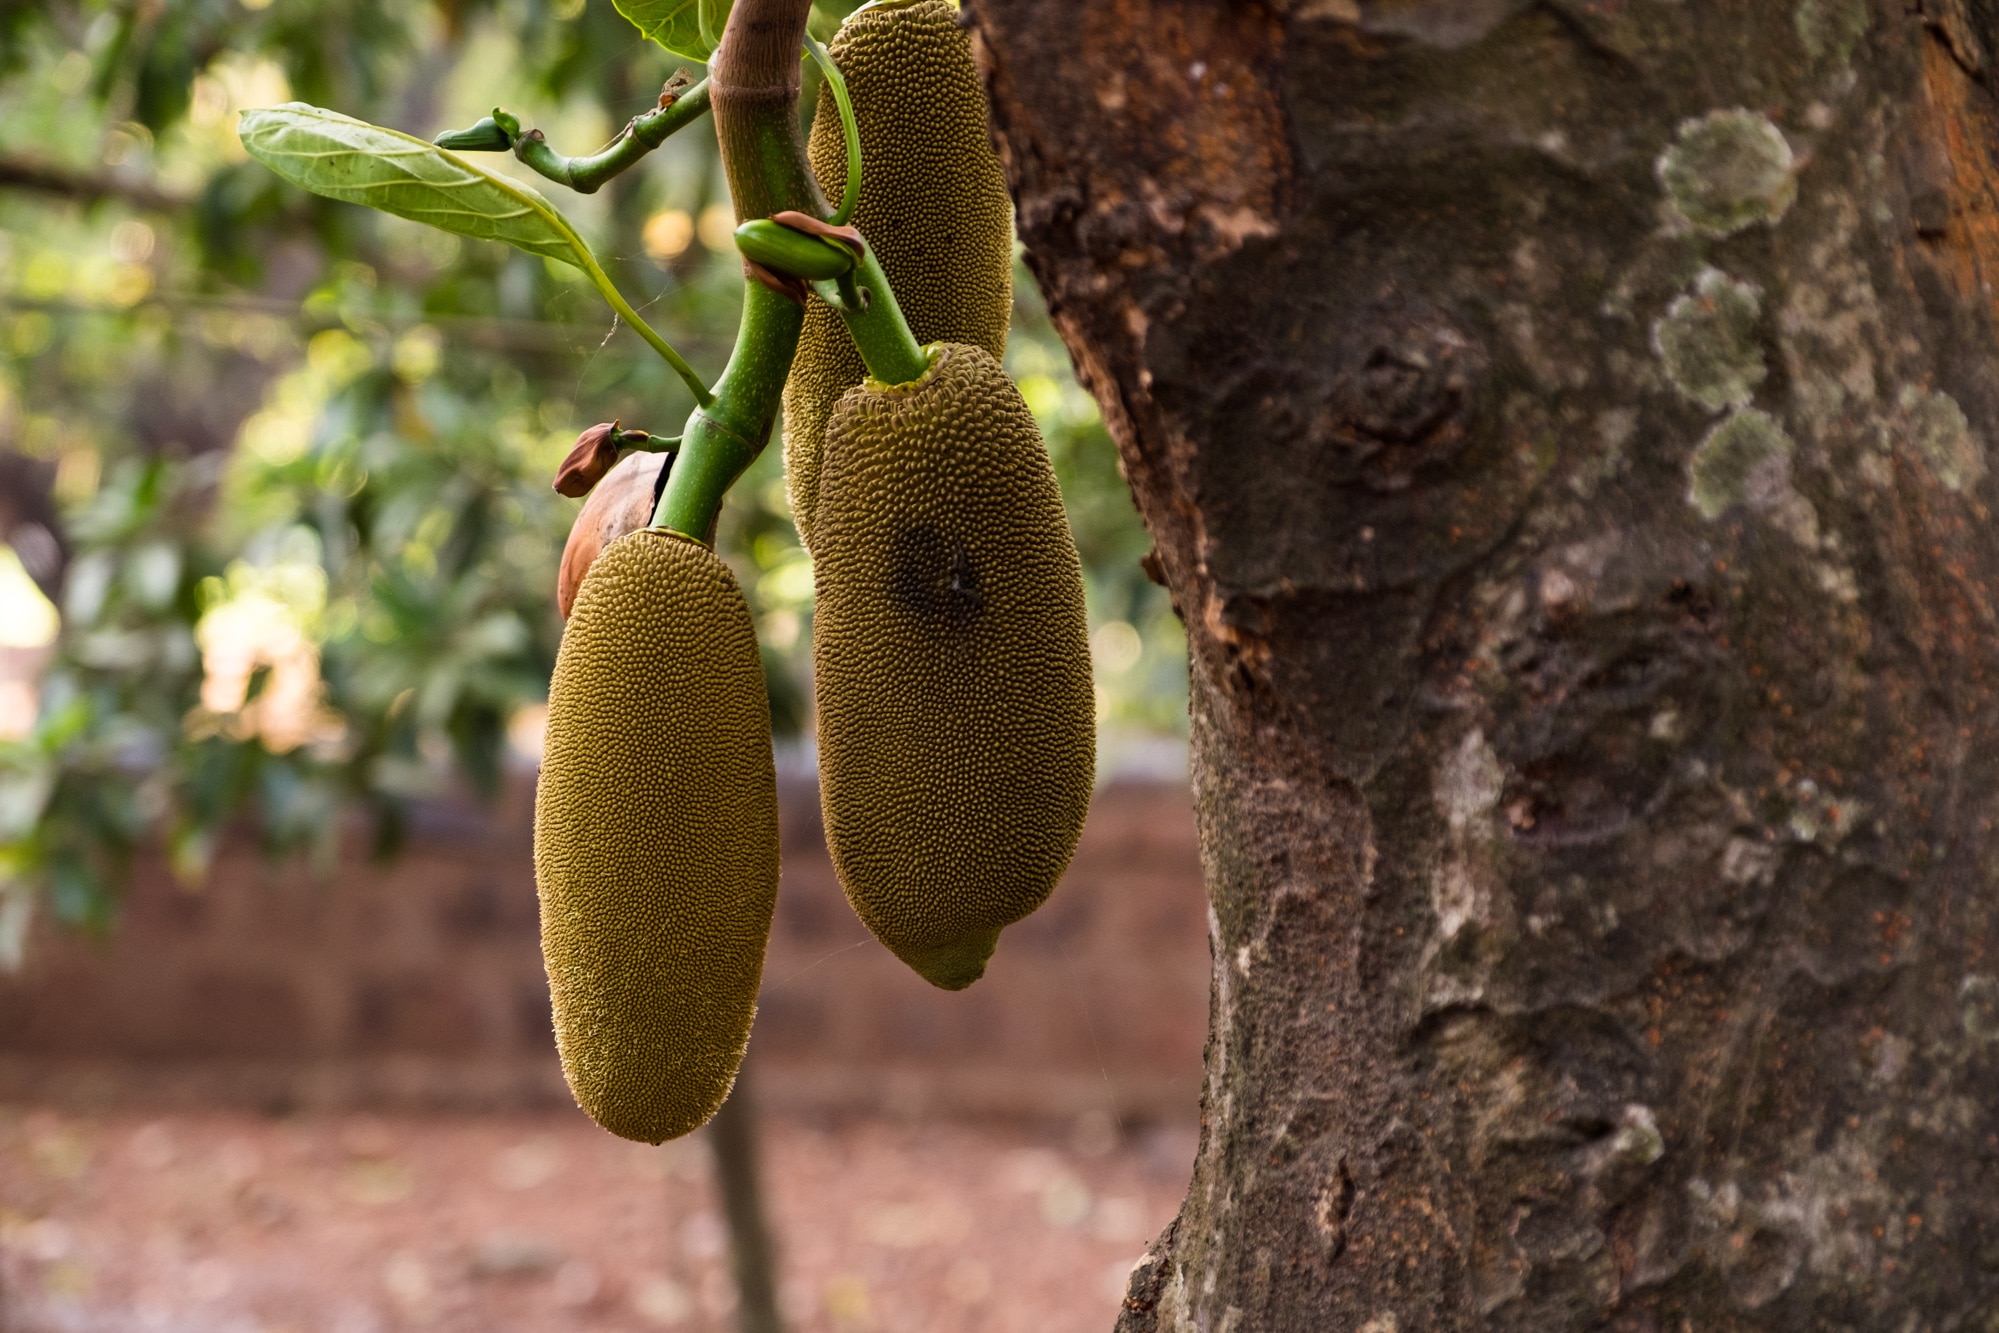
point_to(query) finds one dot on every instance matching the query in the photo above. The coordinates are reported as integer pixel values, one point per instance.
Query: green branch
(754, 82)
(502, 131)
(755, 75)
(724, 437)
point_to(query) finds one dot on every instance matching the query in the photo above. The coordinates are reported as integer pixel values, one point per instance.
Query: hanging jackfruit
(933, 205)
(957, 718)
(655, 841)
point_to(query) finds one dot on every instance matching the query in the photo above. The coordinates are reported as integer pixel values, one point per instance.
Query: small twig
(31, 173)
(733, 1136)
(491, 331)
(680, 105)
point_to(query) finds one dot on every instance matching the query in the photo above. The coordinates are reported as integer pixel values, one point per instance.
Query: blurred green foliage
(301, 451)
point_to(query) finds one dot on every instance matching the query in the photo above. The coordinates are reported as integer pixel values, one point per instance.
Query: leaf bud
(486, 136)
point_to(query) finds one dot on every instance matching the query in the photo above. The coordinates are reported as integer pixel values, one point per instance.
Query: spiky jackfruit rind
(956, 708)
(934, 206)
(656, 836)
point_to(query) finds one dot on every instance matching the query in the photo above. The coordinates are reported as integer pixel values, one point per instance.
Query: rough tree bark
(1565, 429)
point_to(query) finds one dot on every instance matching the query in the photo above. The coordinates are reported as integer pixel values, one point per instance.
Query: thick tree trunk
(1564, 424)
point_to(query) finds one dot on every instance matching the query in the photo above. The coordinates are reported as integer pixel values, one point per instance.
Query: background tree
(1565, 430)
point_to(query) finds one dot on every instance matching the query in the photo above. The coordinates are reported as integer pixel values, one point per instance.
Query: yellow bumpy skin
(655, 836)
(933, 205)
(957, 714)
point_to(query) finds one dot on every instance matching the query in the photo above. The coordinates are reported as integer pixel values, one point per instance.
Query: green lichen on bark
(1746, 460)
(1729, 170)
(1831, 27)
(1707, 339)
(1944, 439)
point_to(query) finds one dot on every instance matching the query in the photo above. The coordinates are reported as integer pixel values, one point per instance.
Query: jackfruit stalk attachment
(933, 206)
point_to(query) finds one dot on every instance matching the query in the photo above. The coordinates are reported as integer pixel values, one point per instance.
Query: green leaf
(348, 159)
(689, 28)
(343, 158)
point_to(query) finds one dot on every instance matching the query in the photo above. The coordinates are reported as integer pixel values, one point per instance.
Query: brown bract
(595, 453)
(848, 236)
(791, 288)
(622, 502)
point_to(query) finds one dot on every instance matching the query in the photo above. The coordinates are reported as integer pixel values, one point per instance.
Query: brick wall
(418, 982)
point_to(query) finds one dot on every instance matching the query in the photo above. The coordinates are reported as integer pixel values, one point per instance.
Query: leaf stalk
(616, 300)
(848, 126)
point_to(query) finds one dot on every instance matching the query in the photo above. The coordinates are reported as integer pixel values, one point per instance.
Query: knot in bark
(1400, 396)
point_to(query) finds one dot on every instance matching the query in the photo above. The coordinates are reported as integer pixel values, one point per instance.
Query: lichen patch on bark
(1943, 438)
(1729, 170)
(1468, 785)
(1708, 341)
(1746, 460)
(1831, 27)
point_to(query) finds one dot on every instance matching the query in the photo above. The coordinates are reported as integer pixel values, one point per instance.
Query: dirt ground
(227, 1222)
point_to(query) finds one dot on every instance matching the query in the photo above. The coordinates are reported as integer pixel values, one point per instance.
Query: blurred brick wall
(418, 982)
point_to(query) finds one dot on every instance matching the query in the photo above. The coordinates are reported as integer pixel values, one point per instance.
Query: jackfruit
(655, 838)
(957, 717)
(933, 206)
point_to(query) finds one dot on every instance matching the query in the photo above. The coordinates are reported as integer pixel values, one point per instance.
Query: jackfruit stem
(753, 88)
(753, 92)
(880, 333)
(756, 87)
(872, 314)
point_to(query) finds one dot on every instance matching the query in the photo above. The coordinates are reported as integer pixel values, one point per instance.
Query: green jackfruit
(957, 713)
(655, 837)
(933, 205)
